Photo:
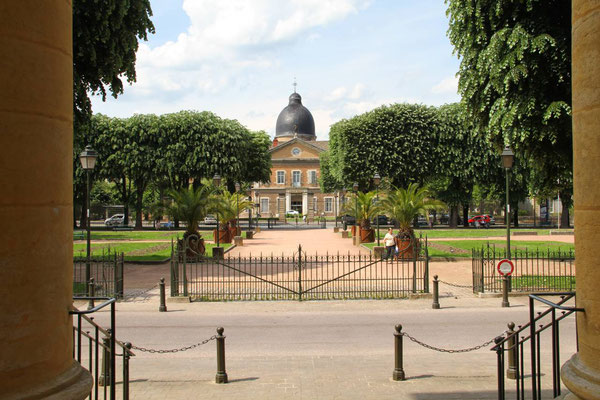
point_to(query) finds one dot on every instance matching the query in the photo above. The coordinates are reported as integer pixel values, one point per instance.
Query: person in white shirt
(388, 241)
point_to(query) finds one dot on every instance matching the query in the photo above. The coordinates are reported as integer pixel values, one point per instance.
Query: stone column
(36, 205)
(304, 203)
(581, 374)
(288, 201)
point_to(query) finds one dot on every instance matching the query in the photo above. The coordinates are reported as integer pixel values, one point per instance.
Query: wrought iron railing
(97, 349)
(513, 345)
(535, 271)
(301, 276)
(105, 269)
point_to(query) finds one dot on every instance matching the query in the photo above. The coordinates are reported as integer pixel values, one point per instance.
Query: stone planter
(224, 236)
(367, 235)
(405, 248)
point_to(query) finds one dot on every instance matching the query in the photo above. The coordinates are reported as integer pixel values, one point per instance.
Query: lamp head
(88, 158)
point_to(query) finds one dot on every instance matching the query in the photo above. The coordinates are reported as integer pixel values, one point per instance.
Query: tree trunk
(466, 216)
(564, 216)
(453, 216)
(83, 218)
(515, 216)
(138, 205)
(125, 200)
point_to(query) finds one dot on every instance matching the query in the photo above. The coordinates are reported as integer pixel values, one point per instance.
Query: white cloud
(447, 85)
(336, 94)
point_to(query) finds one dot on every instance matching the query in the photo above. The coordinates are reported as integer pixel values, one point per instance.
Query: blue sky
(238, 59)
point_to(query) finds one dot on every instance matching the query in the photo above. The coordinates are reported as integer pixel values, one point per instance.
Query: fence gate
(300, 276)
(106, 270)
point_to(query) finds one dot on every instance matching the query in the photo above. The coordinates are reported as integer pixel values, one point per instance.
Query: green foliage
(397, 141)
(363, 206)
(404, 205)
(103, 193)
(227, 205)
(191, 205)
(515, 79)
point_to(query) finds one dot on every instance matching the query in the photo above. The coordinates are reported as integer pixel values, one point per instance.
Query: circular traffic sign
(505, 267)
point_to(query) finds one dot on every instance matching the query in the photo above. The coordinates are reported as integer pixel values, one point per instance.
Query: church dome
(295, 119)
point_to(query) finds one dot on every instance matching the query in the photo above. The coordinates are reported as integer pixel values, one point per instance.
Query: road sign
(505, 267)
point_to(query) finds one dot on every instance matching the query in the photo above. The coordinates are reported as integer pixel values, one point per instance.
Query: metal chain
(457, 285)
(140, 293)
(427, 346)
(186, 348)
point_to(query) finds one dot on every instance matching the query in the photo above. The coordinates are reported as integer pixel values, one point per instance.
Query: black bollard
(126, 357)
(221, 374)
(163, 306)
(398, 370)
(511, 371)
(91, 293)
(505, 302)
(104, 379)
(436, 293)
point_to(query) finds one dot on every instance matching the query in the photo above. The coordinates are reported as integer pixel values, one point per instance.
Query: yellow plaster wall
(305, 152)
(36, 203)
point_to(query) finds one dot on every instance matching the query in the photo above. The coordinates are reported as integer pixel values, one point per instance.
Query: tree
(363, 207)
(105, 42)
(515, 79)
(397, 141)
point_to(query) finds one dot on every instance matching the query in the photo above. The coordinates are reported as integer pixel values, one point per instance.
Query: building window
(280, 177)
(296, 178)
(315, 205)
(312, 177)
(264, 206)
(328, 204)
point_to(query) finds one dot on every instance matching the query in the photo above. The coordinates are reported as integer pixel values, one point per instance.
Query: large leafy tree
(515, 78)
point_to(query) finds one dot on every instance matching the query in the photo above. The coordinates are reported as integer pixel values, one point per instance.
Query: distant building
(296, 168)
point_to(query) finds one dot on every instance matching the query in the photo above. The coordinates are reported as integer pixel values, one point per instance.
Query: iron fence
(301, 276)
(535, 270)
(105, 269)
(513, 346)
(97, 350)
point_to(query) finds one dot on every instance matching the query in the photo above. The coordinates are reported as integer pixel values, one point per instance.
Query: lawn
(463, 248)
(152, 251)
(536, 282)
(136, 235)
(468, 232)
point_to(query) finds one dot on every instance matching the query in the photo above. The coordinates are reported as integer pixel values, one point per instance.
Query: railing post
(511, 371)
(299, 272)
(505, 302)
(126, 357)
(104, 379)
(500, 355)
(414, 277)
(91, 293)
(436, 293)
(398, 374)
(221, 376)
(163, 306)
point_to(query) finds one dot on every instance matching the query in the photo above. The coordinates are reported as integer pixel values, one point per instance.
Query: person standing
(388, 241)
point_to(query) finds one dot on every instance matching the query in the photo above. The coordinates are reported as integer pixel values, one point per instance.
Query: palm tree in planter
(191, 206)
(227, 206)
(363, 207)
(404, 205)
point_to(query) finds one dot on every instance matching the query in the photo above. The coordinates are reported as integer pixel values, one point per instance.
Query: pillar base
(73, 384)
(378, 252)
(398, 375)
(221, 377)
(218, 252)
(583, 382)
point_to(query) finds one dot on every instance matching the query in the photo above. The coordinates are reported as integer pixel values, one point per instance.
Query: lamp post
(217, 183)
(335, 206)
(355, 190)
(88, 162)
(344, 190)
(238, 230)
(377, 181)
(508, 158)
(249, 193)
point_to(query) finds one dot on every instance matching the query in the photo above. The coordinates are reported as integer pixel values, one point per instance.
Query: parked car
(292, 213)
(492, 219)
(210, 220)
(115, 220)
(348, 219)
(479, 220)
(383, 220)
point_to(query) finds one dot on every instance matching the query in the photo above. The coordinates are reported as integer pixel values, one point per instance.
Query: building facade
(294, 184)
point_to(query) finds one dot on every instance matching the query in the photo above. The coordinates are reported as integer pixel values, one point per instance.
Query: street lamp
(355, 190)
(249, 193)
(508, 158)
(377, 181)
(344, 190)
(237, 204)
(88, 162)
(217, 183)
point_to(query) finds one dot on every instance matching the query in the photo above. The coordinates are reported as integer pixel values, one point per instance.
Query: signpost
(505, 268)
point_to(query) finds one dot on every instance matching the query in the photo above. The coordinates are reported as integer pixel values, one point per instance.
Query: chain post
(511, 371)
(221, 376)
(104, 379)
(163, 306)
(91, 293)
(436, 293)
(126, 357)
(505, 302)
(398, 374)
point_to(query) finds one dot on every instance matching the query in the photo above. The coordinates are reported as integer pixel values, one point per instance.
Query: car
(492, 219)
(115, 220)
(210, 220)
(479, 220)
(383, 220)
(348, 219)
(292, 213)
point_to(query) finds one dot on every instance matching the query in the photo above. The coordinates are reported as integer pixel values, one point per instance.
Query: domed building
(296, 168)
